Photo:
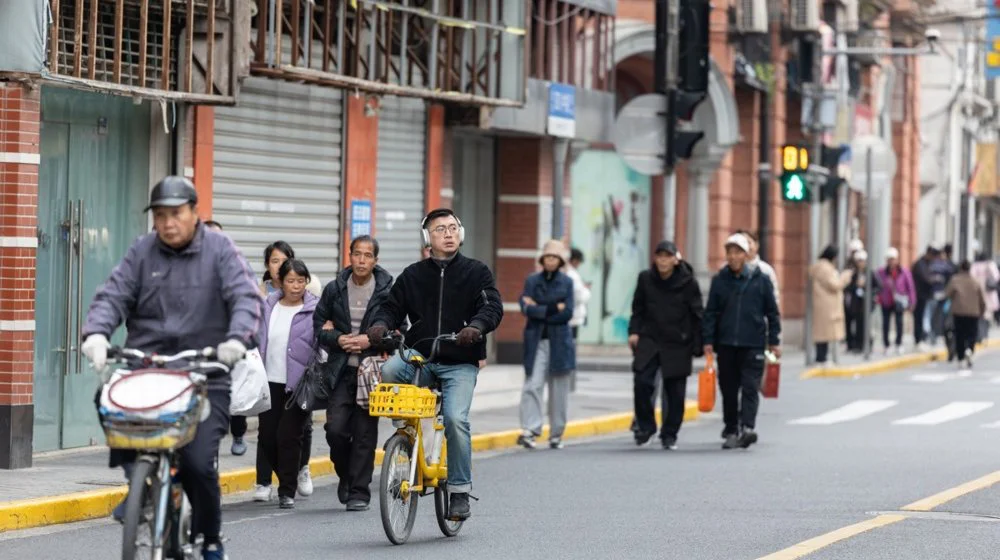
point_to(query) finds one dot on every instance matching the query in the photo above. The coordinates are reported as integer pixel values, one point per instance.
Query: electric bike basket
(151, 409)
(402, 401)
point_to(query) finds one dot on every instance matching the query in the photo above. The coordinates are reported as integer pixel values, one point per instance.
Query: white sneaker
(262, 493)
(305, 482)
(899, 350)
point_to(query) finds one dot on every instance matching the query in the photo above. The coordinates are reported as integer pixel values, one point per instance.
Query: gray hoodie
(173, 300)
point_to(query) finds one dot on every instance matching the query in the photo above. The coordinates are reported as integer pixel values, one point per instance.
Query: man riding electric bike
(182, 287)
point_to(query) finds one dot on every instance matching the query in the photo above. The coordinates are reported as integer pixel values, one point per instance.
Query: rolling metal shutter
(399, 198)
(277, 172)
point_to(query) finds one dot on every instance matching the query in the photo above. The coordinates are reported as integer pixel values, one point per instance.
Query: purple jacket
(172, 300)
(300, 339)
(903, 285)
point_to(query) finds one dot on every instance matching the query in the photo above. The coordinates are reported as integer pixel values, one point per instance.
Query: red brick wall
(435, 164)
(360, 161)
(906, 185)
(19, 148)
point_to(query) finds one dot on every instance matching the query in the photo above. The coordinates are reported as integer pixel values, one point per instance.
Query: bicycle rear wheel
(441, 502)
(140, 516)
(397, 503)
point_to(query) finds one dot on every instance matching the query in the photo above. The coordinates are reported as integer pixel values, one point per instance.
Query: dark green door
(93, 182)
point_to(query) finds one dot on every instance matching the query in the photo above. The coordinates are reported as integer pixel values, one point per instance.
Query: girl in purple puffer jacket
(286, 346)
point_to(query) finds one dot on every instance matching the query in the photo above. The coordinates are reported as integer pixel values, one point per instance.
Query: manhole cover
(941, 515)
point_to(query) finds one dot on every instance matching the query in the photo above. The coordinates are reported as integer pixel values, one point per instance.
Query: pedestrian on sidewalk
(581, 298)
(862, 281)
(968, 306)
(549, 352)
(896, 298)
(664, 335)
(342, 318)
(987, 274)
(828, 303)
(286, 346)
(275, 255)
(740, 320)
(924, 285)
(936, 312)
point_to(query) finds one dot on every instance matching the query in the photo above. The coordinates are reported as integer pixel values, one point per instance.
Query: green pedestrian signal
(793, 187)
(794, 165)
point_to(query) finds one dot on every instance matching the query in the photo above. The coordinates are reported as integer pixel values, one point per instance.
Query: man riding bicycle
(182, 287)
(447, 293)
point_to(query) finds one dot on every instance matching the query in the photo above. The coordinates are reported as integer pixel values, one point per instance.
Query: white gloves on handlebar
(230, 352)
(95, 348)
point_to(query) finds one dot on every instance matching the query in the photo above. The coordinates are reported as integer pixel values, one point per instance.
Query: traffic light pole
(815, 181)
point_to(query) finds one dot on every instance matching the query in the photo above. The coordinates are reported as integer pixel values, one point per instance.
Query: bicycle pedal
(473, 497)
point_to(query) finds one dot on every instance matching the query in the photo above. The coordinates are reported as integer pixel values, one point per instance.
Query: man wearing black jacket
(925, 292)
(341, 319)
(447, 293)
(664, 334)
(741, 318)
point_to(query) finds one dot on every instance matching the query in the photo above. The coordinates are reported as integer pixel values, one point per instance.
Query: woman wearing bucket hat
(549, 351)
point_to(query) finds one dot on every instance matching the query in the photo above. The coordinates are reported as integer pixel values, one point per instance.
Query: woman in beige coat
(828, 302)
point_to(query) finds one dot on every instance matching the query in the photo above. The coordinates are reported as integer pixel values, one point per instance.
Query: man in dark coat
(664, 334)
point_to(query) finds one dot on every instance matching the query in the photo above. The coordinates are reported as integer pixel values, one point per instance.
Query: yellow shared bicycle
(409, 469)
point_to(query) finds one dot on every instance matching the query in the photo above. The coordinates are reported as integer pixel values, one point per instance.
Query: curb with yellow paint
(886, 366)
(80, 506)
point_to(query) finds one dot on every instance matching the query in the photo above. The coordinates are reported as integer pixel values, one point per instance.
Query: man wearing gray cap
(741, 318)
(664, 335)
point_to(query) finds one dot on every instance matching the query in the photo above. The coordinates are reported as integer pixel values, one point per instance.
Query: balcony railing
(571, 44)
(173, 49)
(463, 51)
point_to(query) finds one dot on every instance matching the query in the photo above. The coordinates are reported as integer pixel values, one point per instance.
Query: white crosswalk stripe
(932, 377)
(946, 413)
(847, 413)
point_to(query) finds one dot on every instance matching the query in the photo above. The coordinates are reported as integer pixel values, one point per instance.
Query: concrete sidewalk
(74, 485)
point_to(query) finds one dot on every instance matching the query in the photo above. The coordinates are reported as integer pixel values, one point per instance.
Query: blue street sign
(361, 218)
(562, 110)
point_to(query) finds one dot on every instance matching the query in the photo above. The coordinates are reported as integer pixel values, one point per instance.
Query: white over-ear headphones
(427, 234)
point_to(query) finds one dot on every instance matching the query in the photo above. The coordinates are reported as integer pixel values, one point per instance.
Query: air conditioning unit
(803, 15)
(751, 16)
(851, 23)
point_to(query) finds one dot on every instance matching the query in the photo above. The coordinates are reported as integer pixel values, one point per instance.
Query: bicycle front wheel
(140, 516)
(396, 502)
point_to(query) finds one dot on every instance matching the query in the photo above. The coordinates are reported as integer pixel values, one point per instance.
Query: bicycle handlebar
(196, 358)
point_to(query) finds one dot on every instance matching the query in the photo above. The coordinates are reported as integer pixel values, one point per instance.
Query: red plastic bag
(772, 378)
(706, 386)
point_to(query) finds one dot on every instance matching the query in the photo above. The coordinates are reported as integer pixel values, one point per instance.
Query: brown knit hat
(555, 248)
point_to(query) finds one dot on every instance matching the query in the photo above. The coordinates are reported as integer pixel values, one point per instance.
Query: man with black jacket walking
(664, 334)
(741, 318)
(341, 319)
(925, 292)
(447, 293)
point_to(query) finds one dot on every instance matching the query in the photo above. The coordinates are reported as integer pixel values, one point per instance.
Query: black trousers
(238, 426)
(353, 435)
(644, 389)
(280, 441)
(889, 313)
(822, 350)
(740, 373)
(199, 469)
(966, 332)
(918, 320)
(857, 328)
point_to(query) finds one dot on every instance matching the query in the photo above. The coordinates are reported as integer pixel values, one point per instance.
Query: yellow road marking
(822, 541)
(950, 494)
(926, 504)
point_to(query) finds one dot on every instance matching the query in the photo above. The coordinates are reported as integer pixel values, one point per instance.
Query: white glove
(230, 352)
(95, 348)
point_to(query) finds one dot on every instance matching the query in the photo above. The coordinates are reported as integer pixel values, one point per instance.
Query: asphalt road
(833, 453)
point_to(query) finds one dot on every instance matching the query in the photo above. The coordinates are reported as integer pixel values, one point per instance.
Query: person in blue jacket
(741, 319)
(549, 349)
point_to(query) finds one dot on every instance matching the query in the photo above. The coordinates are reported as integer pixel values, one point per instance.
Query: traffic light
(794, 164)
(692, 78)
(831, 160)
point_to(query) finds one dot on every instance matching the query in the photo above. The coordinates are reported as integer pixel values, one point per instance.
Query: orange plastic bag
(772, 378)
(706, 386)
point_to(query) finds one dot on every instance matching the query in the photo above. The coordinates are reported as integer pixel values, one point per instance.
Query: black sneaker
(748, 438)
(286, 502)
(732, 441)
(357, 505)
(642, 438)
(343, 489)
(669, 443)
(458, 507)
(526, 441)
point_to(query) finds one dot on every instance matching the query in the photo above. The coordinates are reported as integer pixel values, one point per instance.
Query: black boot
(458, 508)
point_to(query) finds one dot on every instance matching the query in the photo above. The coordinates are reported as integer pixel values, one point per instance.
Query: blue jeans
(458, 382)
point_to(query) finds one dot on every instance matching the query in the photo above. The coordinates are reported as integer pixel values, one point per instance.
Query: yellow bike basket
(393, 400)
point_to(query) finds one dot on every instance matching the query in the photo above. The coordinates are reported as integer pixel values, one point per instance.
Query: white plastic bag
(250, 394)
